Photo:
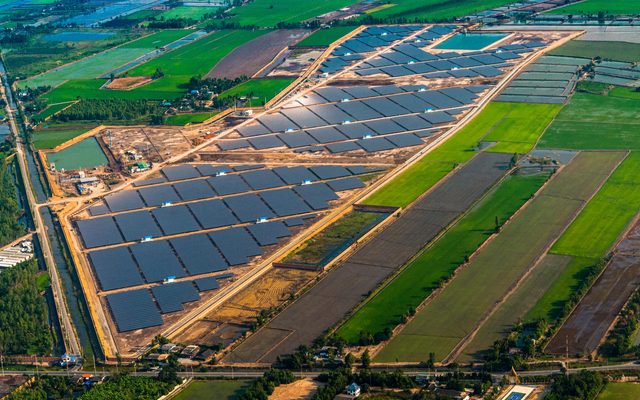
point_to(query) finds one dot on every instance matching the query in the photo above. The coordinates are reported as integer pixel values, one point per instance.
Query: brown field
(128, 82)
(256, 54)
(299, 390)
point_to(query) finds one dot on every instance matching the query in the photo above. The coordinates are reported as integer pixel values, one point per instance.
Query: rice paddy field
(620, 391)
(188, 12)
(194, 118)
(619, 51)
(592, 122)
(91, 89)
(101, 63)
(439, 260)
(194, 59)
(214, 389)
(494, 271)
(260, 90)
(595, 6)
(435, 10)
(324, 37)
(54, 136)
(513, 125)
(267, 13)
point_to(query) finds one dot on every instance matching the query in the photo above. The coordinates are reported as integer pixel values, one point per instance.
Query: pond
(77, 36)
(470, 41)
(84, 154)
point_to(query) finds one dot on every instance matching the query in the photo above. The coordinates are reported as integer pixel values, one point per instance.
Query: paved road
(72, 344)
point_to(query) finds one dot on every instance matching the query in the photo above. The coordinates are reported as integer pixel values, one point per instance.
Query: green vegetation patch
(194, 59)
(620, 391)
(596, 6)
(102, 63)
(49, 111)
(188, 12)
(10, 228)
(183, 119)
(606, 215)
(434, 10)
(92, 89)
(324, 37)
(520, 127)
(619, 51)
(55, 136)
(268, 13)
(262, 90)
(593, 122)
(327, 244)
(219, 389)
(453, 312)
(425, 273)
(425, 173)
(23, 312)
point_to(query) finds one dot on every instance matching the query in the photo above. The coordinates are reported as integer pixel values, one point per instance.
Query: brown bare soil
(256, 54)
(302, 389)
(128, 82)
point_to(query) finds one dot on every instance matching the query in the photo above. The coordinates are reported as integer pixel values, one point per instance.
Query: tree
(366, 359)
(349, 359)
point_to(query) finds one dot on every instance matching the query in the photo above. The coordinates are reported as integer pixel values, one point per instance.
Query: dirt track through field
(588, 324)
(346, 286)
(251, 57)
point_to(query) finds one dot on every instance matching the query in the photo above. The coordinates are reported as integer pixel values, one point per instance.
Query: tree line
(10, 228)
(109, 110)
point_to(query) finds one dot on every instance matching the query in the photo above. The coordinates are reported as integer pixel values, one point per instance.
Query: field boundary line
(471, 335)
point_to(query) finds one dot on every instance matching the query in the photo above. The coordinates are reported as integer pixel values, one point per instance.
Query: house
(190, 351)
(168, 348)
(453, 394)
(353, 390)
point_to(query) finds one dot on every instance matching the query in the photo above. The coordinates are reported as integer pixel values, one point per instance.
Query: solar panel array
(280, 192)
(616, 73)
(352, 115)
(550, 80)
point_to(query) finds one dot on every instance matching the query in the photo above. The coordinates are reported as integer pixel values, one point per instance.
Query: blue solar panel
(284, 202)
(209, 170)
(277, 122)
(101, 231)
(326, 134)
(228, 184)
(150, 181)
(180, 172)
(405, 140)
(375, 144)
(294, 175)
(172, 296)
(342, 147)
(296, 221)
(248, 207)
(252, 130)
(212, 214)
(412, 122)
(360, 169)
(316, 195)
(268, 233)
(175, 219)
(156, 260)
(115, 268)
(134, 309)
(265, 142)
(124, 201)
(233, 144)
(295, 140)
(208, 283)
(247, 167)
(98, 209)
(329, 171)
(346, 184)
(355, 131)
(159, 195)
(384, 126)
(137, 225)
(262, 179)
(198, 254)
(194, 190)
(236, 245)
(437, 117)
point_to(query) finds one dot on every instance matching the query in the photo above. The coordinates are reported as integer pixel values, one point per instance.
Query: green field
(213, 390)
(52, 137)
(595, 6)
(520, 126)
(606, 215)
(435, 10)
(418, 178)
(620, 391)
(183, 119)
(522, 300)
(262, 90)
(91, 89)
(593, 122)
(188, 12)
(619, 51)
(439, 260)
(50, 110)
(102, 63)
(194, 59)
(267, 13)
(324, 37)
(452, 314)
